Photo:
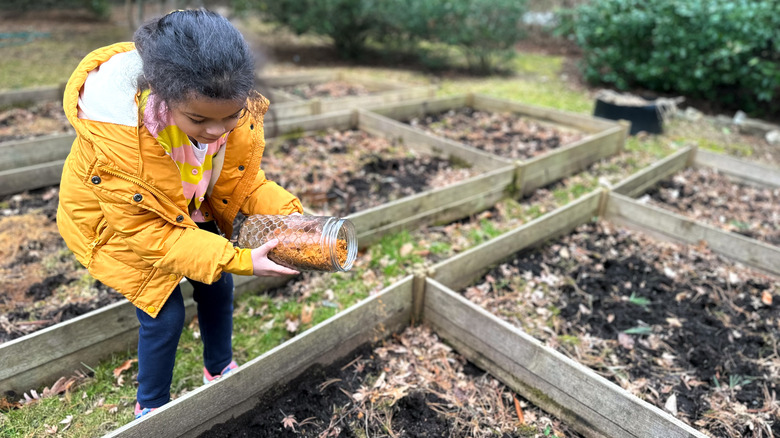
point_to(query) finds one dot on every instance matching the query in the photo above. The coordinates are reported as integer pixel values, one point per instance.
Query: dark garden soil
(708, 196)
(351, 170)
(412, 385)
(45, 118)
(330, 89)
(41, 282)
(504, 134)
(676, 325)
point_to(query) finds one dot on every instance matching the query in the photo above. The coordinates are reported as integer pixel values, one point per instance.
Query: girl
(168, 149)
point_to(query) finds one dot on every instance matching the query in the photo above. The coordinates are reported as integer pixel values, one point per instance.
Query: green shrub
(722, 50)
(347, 22)
(485, 31)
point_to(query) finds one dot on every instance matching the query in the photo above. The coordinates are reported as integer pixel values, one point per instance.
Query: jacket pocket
(102, 234)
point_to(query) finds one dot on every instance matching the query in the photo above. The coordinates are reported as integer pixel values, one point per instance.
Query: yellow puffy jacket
(122, 209)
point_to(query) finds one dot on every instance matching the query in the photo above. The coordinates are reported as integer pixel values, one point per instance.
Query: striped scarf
(193, 160)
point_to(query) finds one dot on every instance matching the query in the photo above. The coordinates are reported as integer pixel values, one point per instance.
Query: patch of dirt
(503, 134)
(330, 89)
(351, 170)
(705, 195)
(676, 325)
(40, 119)
(412, 385)
(42, 284)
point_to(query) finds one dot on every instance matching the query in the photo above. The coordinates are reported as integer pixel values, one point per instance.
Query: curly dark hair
(194, 52)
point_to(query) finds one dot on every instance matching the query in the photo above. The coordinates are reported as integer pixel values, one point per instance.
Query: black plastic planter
(643, 118)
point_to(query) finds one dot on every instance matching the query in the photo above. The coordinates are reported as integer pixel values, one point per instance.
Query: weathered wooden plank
(30, 177)
(22, 153)
(42, 357)
(31, 95)
(581, 122)
(423, 141)
(194, 413)
(584, 400)
(567, 160)
(303, 126)
(277, 96)
(373, 83)
(628, 212)
(376, 99)
(639, 182)
(410, 206)
(421, 107)
(290, 110)
(740, 170)
(431, 216)
(460, 270)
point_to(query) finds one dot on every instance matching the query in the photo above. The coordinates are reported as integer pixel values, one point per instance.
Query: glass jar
(306, 243)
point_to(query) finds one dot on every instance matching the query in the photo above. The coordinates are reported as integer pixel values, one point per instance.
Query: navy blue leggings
(158, 338)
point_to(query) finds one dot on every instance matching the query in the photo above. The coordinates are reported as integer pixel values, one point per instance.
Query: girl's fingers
(262, 266)
(268, 246)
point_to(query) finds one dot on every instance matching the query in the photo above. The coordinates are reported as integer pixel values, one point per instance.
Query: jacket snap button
(194, 171)
(95, 179)
(224, 201)
(138, 197)
(241, 167)
(179, 218)
(206, 214)
(151, 309)
(172, 277)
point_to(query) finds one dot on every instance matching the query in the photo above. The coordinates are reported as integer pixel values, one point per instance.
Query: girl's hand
(263, 267)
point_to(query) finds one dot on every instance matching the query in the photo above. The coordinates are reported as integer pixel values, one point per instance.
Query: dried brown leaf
(307, 313)
(519, 410)
(124, 367)
(289, 422)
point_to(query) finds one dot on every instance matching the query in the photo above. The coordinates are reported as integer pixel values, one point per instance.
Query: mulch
(676, 325)
(411, 385)
(708, 196)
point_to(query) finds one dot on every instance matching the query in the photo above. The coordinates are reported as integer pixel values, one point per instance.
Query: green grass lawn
(50, 60)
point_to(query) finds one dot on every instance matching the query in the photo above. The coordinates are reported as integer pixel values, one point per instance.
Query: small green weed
(639, 301)
(486, 231)
(639, 330)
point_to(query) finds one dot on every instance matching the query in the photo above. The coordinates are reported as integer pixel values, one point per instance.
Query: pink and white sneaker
(140, 412)
(208, 378)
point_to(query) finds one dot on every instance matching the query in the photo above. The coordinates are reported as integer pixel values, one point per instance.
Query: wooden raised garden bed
(532, 138)
(411, 384)
(325, 151)
(31, 95)
(751, 180)
(307, 94)
(678, 326)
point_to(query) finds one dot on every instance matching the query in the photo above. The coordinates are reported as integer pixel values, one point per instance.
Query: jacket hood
(111, 97)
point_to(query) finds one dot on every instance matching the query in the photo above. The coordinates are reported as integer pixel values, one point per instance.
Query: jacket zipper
(141, 183)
